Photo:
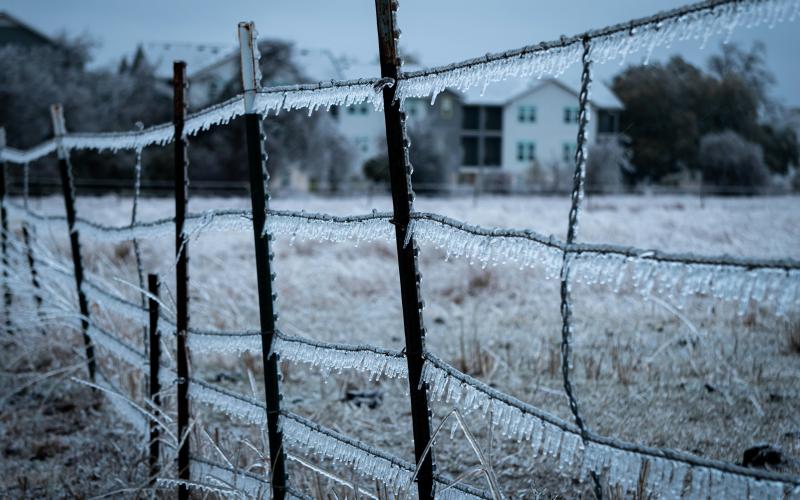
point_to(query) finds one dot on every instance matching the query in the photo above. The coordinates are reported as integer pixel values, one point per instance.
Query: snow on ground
(703, 379)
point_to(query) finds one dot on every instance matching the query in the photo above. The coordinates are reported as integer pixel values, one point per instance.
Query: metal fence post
(68, 186)
(402, 201)
(154, 344)
(259, 193)
(26, 239)
(181, 269)
(4, 236)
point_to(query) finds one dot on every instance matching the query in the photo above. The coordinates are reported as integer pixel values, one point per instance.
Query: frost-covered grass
(701, 379)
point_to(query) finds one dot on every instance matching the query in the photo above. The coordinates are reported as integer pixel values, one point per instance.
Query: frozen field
(700, 378)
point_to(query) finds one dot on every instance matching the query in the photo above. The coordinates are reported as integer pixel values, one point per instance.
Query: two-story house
(516, 124)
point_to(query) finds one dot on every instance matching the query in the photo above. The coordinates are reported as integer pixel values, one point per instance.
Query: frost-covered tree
(33, 78)
(730, 161)
(607, 164)
(295, 140)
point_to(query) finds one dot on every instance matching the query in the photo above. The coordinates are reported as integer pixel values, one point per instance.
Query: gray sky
(438, 31)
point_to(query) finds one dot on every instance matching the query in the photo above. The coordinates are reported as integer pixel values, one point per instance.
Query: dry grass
(645, 371)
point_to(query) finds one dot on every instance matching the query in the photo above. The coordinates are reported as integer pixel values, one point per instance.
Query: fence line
(574, 448)
(546, 58)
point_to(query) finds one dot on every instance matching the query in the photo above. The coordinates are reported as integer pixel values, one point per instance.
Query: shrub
(605, 165)
(732, 163)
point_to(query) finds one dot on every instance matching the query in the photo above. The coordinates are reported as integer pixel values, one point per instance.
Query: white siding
(549, 132)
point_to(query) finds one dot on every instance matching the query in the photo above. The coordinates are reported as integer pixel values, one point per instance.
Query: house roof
(198, 56)
(507, 91)
(10, 24)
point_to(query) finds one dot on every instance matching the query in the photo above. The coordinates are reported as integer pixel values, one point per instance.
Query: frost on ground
(703, 378)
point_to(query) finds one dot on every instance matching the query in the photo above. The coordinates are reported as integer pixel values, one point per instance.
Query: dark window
(493, 118)
(520, 151)
(491, 151)
(471, 120)
(469, 145)
(608, 122)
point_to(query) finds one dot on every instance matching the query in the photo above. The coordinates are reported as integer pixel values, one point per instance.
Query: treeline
(719, 125)
(33, 78)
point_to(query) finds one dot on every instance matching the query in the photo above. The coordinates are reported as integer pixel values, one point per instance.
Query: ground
(701, 378)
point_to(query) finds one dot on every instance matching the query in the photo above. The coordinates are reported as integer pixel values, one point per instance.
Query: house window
(526, 150)
(491, 151)
(493, 118)
(364, 109)
(472, 118)
(571, 115)
(569, 151)
(608, 122)
(469, 146)
(526, 114)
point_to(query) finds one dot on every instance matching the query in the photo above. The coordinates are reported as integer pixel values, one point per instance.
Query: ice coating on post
(259, 198)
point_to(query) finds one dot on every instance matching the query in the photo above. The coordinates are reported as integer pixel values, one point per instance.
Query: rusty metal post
(181, 269)
(4, 237)
(402, 201)
(68, 186)
(259, 193)
(154, 351)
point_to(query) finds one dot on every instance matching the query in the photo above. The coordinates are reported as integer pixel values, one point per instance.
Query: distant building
(511, 128)
(516, 124)
(15, 32)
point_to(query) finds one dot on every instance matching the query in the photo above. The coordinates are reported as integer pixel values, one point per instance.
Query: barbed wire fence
(31, 270)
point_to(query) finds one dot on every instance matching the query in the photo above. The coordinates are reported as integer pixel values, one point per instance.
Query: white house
(515, 124)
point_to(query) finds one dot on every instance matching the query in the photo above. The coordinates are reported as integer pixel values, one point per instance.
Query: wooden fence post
(181, 269)
(154, 348)
(68, 186)
(4, 237)
(259, 193)
(402, 202)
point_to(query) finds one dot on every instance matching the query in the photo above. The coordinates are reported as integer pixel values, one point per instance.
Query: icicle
(309, 438)
(220, 343)
(339, 357)
(235, 406)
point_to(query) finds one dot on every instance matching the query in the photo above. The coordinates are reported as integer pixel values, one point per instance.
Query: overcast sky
(437, 31)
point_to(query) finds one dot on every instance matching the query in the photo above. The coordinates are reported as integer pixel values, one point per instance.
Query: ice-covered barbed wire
(273, 100)
(677, 276)
(699, 22)
(666, 472)
(695, 22)
(323, 95)
(21, 157)
(307, 436)
(219, 479)
(336, 357)
(325, 356)
(251, 485)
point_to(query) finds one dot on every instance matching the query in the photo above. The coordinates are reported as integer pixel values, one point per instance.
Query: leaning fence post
(26, 239)
(68, 186)
(154, 351)
(259, 193)
(402, 201)
(4, 235)
(181, 270)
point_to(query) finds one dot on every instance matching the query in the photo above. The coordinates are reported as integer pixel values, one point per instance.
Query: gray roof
(507, 91)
